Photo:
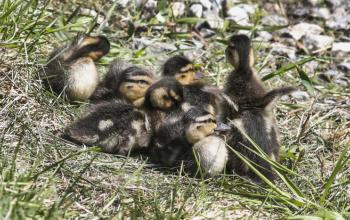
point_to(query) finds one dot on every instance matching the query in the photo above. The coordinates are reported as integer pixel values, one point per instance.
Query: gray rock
(301, 29)
(315, 42)
(339, 20)
(197, 10)
(178, 9)
(274, 20)
(283, 50)
(213, 18)
(206, 4)
(151, 4)
(321, 13)
(341, 46)
(263, 36)
(301, 12)
(311, 66)
(240, 13)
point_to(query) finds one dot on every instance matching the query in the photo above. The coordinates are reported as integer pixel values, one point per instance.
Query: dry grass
(42, 176)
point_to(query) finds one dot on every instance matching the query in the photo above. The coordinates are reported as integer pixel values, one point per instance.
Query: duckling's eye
(183, 76)
(129, 87)
(165, 97)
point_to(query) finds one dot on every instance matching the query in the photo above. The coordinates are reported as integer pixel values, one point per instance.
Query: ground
(44, 177)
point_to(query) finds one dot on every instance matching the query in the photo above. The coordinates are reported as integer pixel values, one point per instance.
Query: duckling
(71, 70)
(173, 140)
(124, 82)
(120, 128)
(254, 115)
(116, 127)
(182, 69)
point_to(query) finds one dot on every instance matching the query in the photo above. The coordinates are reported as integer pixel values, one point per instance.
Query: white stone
(316, 42)
(341, 46)
(239, 15)
(301, 29)
(178, 9)
(197, 10)
(321, 13)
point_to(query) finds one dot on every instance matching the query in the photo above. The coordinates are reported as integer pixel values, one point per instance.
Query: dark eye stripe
(138, 81)
(207, 121)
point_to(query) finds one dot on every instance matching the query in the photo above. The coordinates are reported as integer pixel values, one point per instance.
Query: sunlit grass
(43, 177)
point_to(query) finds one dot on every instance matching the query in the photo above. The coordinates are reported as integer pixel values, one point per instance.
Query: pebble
(213, 18)
(339, 20)
(263, 36)
(197, 10)
(178, 9)
(314, 42)
(341, 46)
(321, 13)
(240, 13)
(301, 29)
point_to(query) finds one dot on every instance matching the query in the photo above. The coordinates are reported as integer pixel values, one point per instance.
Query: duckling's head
(129, 82)
(199, 124)
(165, 94)
(93, 47)
(239, 52)
(182, 69)
(134, 82)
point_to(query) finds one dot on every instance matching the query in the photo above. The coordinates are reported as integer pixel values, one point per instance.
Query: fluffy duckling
(71, 70)
(124, 82)
(173, 140)
(120, 128)
(182, 69)
(254, 115)
(116, 127)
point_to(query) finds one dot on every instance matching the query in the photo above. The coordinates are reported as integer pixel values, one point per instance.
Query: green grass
(43, 177)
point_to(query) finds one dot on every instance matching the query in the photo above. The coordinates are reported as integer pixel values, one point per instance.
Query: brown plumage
(71, 71)
(254, 116)
(124, 82)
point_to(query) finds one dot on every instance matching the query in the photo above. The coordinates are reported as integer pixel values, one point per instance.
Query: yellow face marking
(185, 78)
(134, 90)
(95, 55)
(198, 131)
(160, 99)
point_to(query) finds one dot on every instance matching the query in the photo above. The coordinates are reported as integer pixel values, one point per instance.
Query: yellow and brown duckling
(120, 128)
(124, 82)
(183, 70)
(254, 115)
(71, 70)
(173, 141)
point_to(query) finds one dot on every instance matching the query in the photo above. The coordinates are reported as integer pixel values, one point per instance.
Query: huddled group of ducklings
(173, 117)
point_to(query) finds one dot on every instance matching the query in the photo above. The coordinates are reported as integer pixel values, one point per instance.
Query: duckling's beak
(222, 127)
(198, 75)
